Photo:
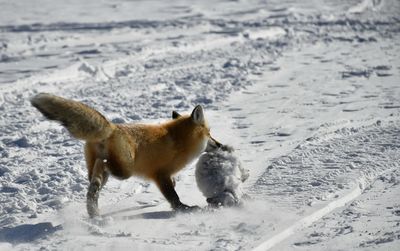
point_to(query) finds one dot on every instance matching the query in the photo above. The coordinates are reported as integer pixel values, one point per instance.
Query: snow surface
(307, 92)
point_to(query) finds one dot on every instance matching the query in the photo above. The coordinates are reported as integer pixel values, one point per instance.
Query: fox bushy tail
(81, 121)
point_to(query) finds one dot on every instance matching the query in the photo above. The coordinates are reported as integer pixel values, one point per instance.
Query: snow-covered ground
(307, 92)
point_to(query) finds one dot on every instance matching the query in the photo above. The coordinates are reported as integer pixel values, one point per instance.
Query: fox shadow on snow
(27, 232)
(158, 215)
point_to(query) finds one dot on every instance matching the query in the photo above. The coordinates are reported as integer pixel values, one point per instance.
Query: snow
(306, 92)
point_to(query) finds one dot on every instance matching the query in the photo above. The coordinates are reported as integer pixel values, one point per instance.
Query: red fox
(154, 152)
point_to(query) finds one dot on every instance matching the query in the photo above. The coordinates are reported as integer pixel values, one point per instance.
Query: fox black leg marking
(166, 186)
(99, 178)
(91, 200)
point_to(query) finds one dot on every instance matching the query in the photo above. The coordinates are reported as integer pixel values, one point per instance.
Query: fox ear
(175, 115)
(198, 115)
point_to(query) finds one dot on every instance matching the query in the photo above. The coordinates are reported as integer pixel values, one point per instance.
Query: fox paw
(186, 208)
(92, 209)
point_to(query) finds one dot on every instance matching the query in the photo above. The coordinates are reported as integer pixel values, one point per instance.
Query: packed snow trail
(371, 222)
(307, 93)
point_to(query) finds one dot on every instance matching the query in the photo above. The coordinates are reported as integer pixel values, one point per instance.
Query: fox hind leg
(98, 178)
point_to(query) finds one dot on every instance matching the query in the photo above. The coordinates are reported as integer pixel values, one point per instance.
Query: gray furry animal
(219, 176)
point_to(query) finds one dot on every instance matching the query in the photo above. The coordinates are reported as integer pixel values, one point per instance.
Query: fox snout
(215, 142)
(213, 145)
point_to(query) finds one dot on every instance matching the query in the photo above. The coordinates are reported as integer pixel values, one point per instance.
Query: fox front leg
(166, 186)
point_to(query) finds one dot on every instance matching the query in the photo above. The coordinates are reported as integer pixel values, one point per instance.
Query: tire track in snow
(370, 222)
(318, 164)
(328, 173)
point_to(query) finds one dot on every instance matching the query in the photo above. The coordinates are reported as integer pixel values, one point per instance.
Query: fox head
(198, 118)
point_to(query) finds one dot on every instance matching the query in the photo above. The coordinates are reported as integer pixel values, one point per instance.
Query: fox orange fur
(155, 152)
